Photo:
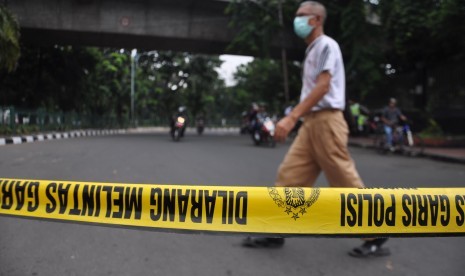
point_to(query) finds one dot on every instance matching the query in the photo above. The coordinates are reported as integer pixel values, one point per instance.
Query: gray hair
(320, 8)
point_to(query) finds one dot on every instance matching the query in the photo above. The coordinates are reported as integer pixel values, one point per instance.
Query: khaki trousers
(320, 145)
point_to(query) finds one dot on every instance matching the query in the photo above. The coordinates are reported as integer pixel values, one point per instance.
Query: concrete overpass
(180, 25)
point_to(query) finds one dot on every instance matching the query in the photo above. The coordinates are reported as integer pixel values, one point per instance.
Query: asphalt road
(32, 247)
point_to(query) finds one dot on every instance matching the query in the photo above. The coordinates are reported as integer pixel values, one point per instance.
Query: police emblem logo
(295, 197)
(294, 203)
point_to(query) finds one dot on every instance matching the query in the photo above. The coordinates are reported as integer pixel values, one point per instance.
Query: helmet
(181, 109)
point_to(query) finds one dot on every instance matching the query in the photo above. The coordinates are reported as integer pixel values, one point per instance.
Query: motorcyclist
(359, 118)
(260, 117)
(390, 118)
(252, 117)
(263, 129)
(200, 123)
(182, 112)
(262, 114)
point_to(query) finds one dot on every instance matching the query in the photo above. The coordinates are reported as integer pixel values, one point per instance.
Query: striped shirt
(322, 55)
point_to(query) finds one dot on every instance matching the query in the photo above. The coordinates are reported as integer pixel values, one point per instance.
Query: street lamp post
(133, 73)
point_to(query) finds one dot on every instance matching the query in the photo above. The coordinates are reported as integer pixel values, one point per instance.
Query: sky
(229, 66)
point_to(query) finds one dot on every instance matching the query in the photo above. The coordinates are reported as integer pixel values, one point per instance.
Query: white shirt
(322, 55)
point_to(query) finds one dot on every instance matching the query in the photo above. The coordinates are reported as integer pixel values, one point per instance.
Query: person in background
(358, 116)
(182, 112)
(354, 107)
(390, 118)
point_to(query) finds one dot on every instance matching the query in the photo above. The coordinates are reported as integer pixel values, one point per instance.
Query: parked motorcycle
(178, 128)
(263, 132)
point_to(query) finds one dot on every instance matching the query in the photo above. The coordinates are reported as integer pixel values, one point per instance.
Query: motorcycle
(403, 141)
(200, 124)
(264, 132)
(177, 130)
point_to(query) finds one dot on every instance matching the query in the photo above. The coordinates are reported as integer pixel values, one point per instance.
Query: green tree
(261, 81)
(424, 36)
(164, 80)
(361, 45)
(168, 79)
(408, 28)
(203, 83)
(360, 40)
(425, 32)
(257, 24)
(108, 85)
(9, 39)
(96, 82)
(48, 77)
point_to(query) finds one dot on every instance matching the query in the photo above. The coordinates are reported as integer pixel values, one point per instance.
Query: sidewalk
(57, 135)
(455, 155)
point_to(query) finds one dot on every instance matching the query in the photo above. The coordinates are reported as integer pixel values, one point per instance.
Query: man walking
(321, 144)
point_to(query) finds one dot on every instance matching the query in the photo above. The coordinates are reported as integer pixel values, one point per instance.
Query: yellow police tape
(252, 210)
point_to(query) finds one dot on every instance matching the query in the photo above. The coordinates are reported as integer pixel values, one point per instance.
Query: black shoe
(256, 242)
(371, 249)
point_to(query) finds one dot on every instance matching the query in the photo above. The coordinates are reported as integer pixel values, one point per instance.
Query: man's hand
(284, 126)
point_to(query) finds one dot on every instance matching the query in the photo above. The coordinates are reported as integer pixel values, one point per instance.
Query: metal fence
(24, 121)
(20, 121)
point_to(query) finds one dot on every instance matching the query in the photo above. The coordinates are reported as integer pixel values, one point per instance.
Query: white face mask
(301, 27)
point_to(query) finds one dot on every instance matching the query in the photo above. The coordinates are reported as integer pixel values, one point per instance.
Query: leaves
(261, 81)
(412, 35)
(98, 82)
(9, 40)
(423, 31)
(256, 22)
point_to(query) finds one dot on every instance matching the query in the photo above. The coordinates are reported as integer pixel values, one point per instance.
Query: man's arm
(402, 116)
(286, 124)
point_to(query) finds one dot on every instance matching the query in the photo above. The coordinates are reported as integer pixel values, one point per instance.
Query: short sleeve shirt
(392, 114)
(322, 55)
